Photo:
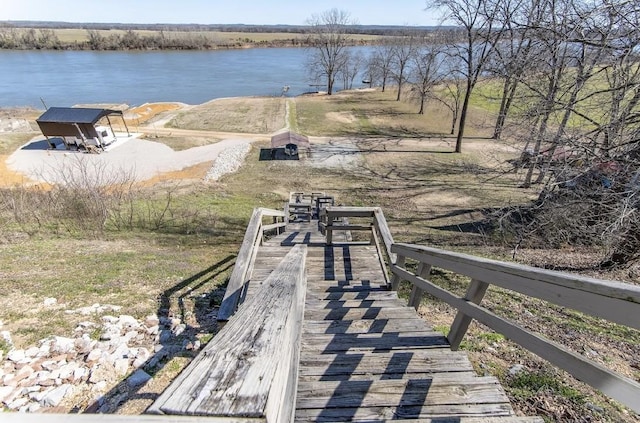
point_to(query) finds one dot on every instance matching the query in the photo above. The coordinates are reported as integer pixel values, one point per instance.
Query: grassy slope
(429, 196)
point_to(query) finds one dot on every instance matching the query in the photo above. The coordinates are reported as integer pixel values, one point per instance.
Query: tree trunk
(508, 94)
(399, 89)
(463, 118)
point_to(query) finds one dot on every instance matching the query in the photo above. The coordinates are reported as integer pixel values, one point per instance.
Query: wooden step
(391, 341)
(360, 313)
(379, 294)
(388, 364)
(342, 304)
(365, 326)
(429, 397)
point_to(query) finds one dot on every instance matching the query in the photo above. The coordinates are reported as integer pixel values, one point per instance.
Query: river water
(65, 78)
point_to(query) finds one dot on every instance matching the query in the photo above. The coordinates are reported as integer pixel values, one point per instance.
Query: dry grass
(429, 196)
(374, 114)
(80, 35)
(255, 115)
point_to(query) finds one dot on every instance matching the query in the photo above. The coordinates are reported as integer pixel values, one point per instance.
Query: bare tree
(382, 62)
(585, 128)
(351, 69)
(451, 95)
(482, 30)
(513, 55)
(404, 51)
(328, 41)
(426, 72)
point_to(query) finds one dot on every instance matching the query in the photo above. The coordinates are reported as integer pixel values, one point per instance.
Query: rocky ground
(82, 372)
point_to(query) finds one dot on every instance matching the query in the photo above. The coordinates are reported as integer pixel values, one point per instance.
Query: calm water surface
(65, 78)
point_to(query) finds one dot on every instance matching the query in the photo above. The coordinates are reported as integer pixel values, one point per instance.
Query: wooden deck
(365, 354)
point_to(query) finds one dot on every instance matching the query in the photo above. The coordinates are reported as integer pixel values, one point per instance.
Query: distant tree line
(27, 35)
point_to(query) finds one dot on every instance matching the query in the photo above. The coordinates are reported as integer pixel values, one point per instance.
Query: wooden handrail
(252, 238)
(251, 369)
(331, 217)
(615, 301)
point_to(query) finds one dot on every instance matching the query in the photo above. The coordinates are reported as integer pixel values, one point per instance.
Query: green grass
(526, 384)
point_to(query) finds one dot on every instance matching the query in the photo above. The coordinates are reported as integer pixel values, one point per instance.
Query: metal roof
(288, 137)
(75, 115)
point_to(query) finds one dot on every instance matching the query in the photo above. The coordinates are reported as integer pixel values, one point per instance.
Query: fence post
(395, 281)
(416, 293)
(460, 324)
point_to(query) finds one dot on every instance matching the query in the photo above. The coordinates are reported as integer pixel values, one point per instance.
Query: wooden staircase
(365, 355)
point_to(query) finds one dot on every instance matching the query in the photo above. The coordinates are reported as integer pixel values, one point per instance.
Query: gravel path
(133, 158)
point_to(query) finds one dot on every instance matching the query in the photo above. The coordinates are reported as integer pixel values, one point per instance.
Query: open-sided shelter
(76, 125)
(283, 138)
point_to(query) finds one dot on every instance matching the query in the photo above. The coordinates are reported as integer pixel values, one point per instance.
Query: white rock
(8, 393)
(130, 335)
(63, 345)
(80, 373)
(49, 365)
(128, 321)
(30, 389)
(109, 333)
(17, 403)
(151, 320)
(84, 345)
(139, 377)
(48, 302)
(153, 330)
(122, 350)
(33, 407)
(94, 355)
(32, 352)
(121, 366)
(179, 329)
(16, 356)
(44, 350)
(43, 376)
(514, 370)
(67, 370)
(55, 397)
(109, 319)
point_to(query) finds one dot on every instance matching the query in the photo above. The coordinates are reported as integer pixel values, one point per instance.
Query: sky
(266, 12)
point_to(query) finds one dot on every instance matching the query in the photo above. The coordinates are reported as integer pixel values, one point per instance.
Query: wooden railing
(614, 301)
(335, 219)
(250, 370)
(253, 237)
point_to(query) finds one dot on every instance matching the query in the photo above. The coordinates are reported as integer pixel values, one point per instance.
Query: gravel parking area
(134, 158)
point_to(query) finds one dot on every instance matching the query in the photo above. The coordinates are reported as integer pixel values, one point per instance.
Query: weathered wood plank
(341, 304)
(365, 326)
(618, 387)
(347, 284)
(332, 343)
(117, 418)
(353, 295)
(615, 301)
(404, 363)
(246, 369)
(431, 393)
(500, 413)
(360, 313)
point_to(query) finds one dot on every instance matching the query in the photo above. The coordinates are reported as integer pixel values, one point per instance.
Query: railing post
(395, 281)
(460, 324)
(416, 293)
